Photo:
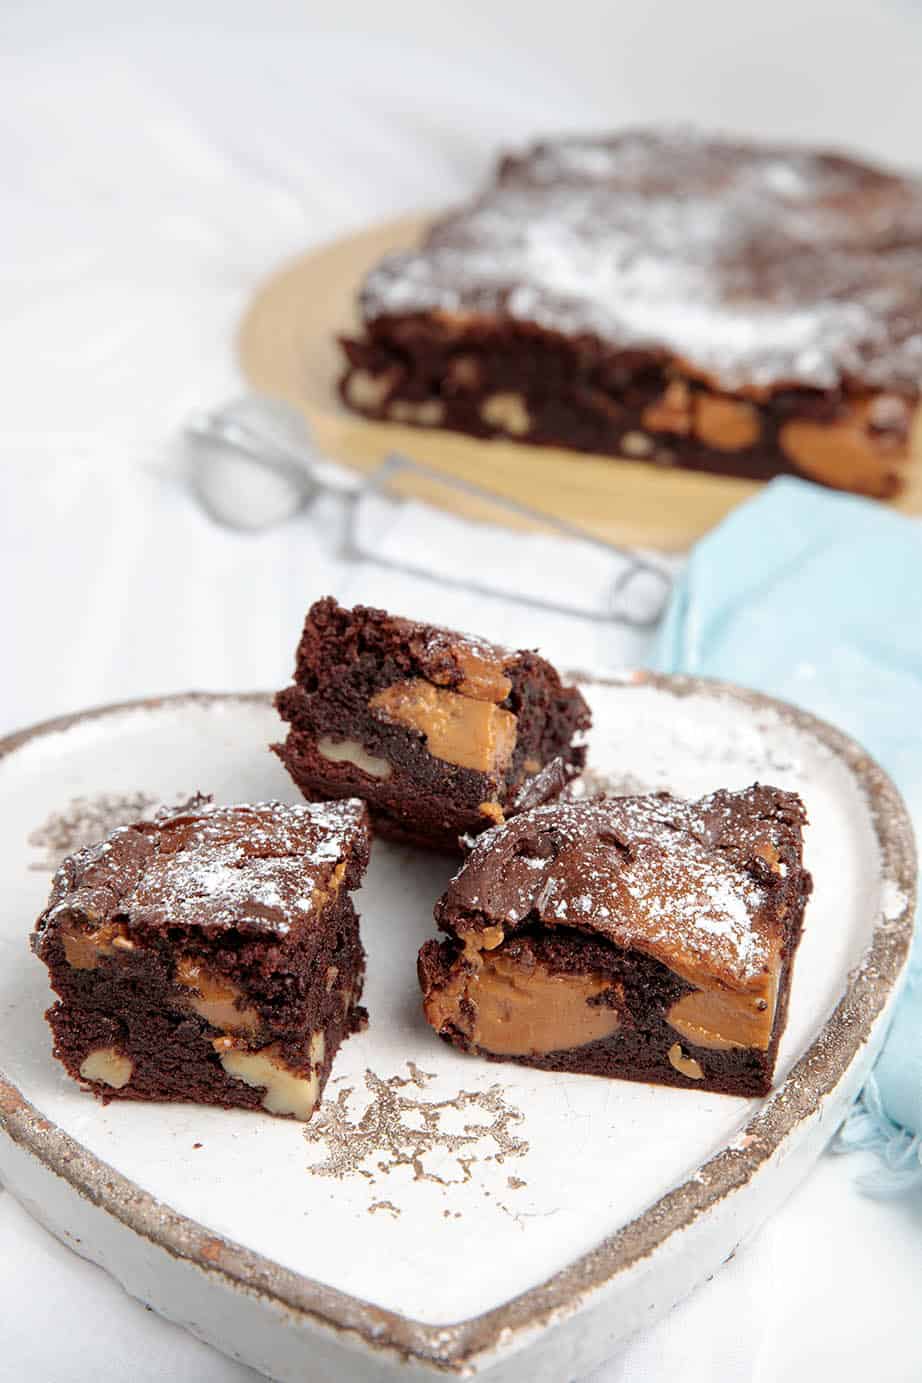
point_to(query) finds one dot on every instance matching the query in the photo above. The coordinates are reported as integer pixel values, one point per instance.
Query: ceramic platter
(441, 1215)
(287, 346)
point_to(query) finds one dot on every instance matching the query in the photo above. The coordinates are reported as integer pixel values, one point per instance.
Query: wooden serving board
(287, 349)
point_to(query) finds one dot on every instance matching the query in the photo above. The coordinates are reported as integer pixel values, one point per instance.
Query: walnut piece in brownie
(210, 955)
(665, 296)
(646, 938)
(439, 732)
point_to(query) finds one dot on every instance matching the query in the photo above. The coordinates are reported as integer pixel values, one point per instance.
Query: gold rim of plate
(456, 1348)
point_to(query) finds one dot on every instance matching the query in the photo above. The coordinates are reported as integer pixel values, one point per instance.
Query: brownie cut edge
(441, 733)
(211, 955)
(642, 938)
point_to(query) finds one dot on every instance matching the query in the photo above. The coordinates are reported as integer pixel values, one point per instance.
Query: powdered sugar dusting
(695, 884)
(471, 644)
(707, 901)
(257, 866)
(757, 266)
(83, 821)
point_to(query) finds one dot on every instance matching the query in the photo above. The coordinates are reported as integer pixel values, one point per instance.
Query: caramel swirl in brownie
(215, 998)
(85, 945)
(459, 729)
(717, 1018)
(467, 664)
(517, 1008)
(471, 666)
(686, 882)
(440, 732)
(644, 937)
(210, 954)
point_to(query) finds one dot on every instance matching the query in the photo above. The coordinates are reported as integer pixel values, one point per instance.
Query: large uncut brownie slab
(640, 937)
(212, 955)
(690, 301)
(441, 733)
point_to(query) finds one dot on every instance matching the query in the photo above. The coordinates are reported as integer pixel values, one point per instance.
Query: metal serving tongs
(254, 463)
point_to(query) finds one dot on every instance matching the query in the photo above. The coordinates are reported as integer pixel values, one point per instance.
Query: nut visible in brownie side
(438, 731)
(668, 297)
(210, 955)
(645, 938)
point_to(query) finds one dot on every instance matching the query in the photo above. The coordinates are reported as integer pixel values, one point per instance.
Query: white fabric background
(154, 166)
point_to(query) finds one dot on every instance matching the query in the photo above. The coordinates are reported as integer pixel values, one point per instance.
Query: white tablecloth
(155, 165)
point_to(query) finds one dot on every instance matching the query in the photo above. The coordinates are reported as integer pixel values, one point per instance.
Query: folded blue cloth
(816, 597)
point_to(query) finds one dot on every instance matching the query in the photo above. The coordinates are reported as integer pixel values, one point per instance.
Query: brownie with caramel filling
(210, 955)
(441, 733)
(665, 296)
(646, 938)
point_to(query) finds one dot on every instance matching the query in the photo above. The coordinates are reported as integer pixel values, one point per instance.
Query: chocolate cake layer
(698, 302)
(211, 955)
(645, 938)
(441, 733)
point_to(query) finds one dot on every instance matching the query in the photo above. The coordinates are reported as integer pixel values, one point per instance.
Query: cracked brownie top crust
(757, 266)
(646, 937)
(264, 869)
(668, 297)
(701, 886)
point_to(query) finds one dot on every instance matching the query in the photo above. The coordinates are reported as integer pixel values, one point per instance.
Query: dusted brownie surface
(647, 938)
(440, 732)
(212, 954)
(688, 300)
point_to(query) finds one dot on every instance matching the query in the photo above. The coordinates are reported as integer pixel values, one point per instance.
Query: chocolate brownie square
(646, 938)
(210, 955)
(442, 734)
(665, 296)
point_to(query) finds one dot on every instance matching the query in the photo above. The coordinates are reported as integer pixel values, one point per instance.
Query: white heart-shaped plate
(440, 1213)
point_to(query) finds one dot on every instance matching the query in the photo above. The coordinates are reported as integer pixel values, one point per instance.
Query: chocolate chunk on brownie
(646, 938)
(689, 301)
(210, 955)
(439, 732)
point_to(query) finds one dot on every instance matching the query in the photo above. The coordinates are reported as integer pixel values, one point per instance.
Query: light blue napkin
(816, 597)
